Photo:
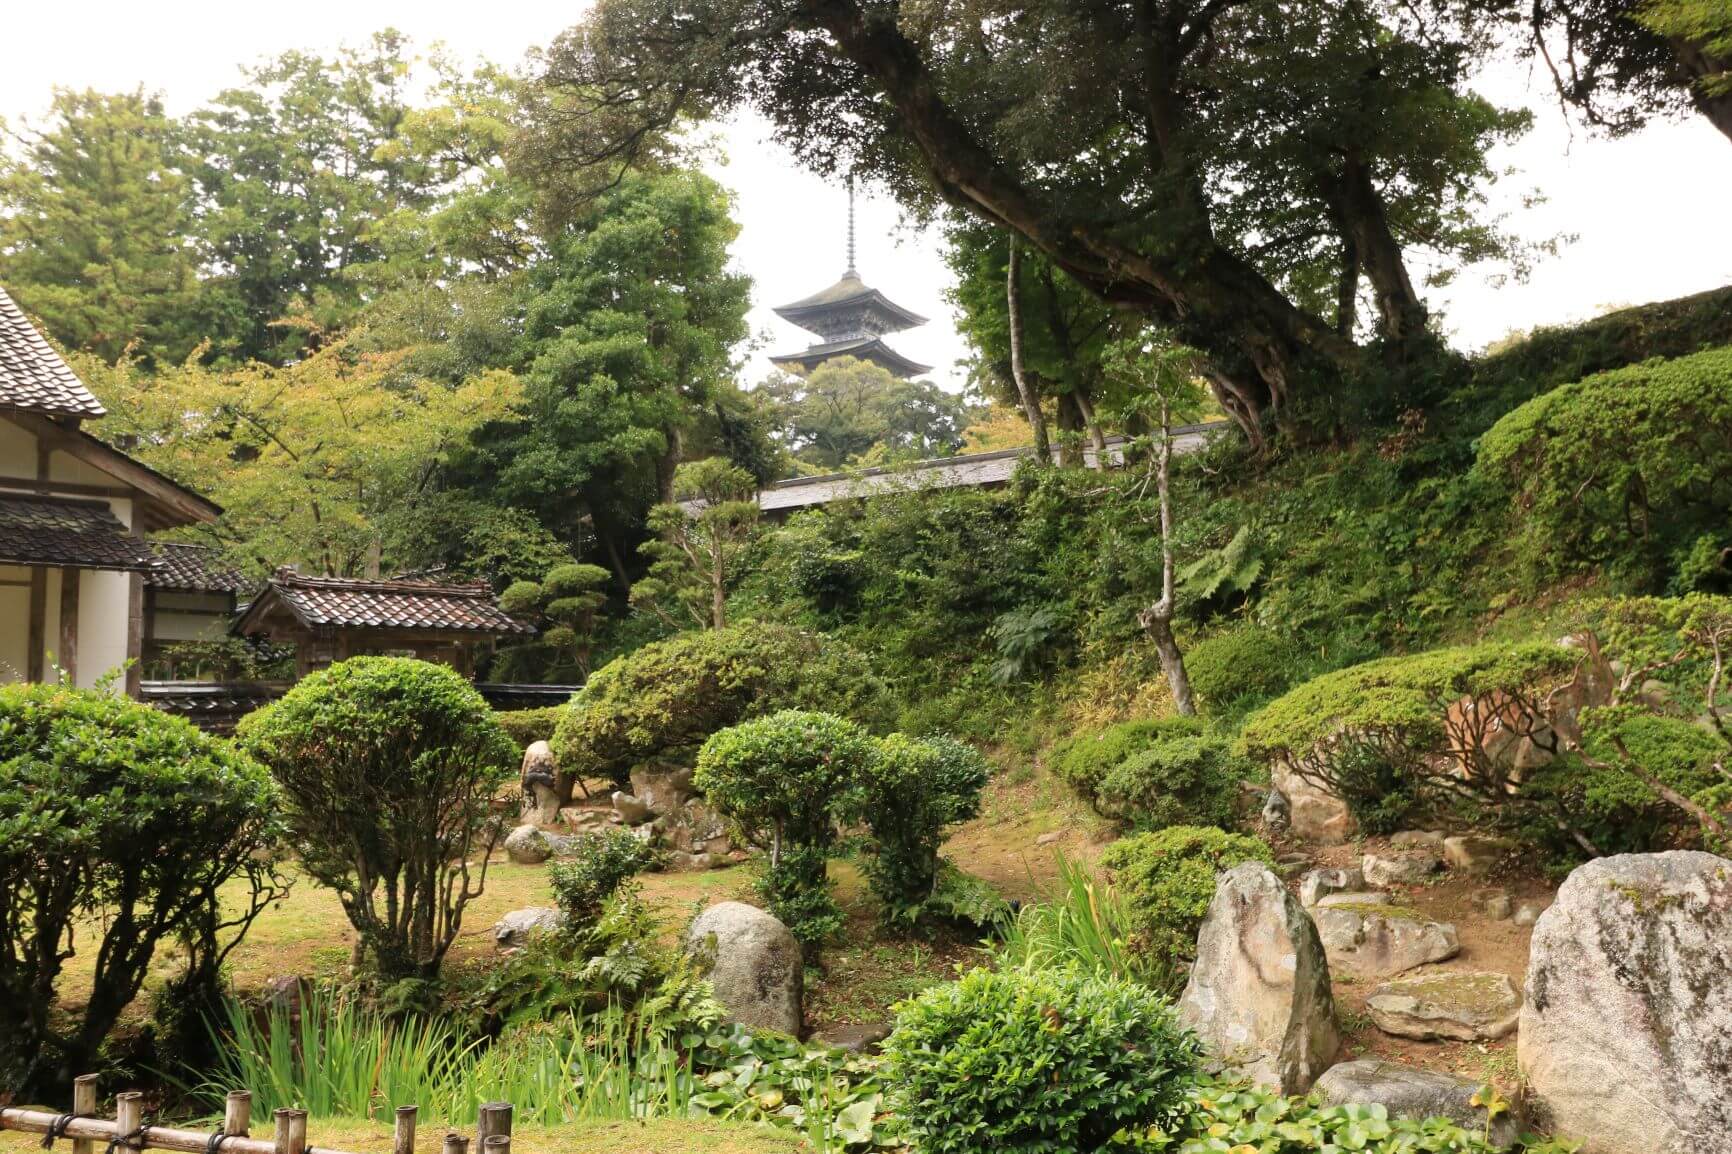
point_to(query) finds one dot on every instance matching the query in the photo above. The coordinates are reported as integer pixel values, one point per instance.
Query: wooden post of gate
(238, 1113)
(403, 1138)
(84, 1102)
(128, 1117)
(494, 1121)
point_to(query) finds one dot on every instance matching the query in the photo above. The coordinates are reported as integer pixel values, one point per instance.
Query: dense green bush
(389, 766)
(666, 698)
(598, 865)
(1184, 779)
(784, 781)
(528, 726)
(915, 789)
(1167, 879)
(1036, 1061)
(126, 823)
(1084, 760)
(1239, 663)
(1632, 468)
(1396, 727)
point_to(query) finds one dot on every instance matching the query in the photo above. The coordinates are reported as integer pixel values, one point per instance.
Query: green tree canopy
(847, 410)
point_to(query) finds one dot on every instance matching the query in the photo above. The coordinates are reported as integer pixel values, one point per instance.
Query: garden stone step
(1415, 1094)
(1407, 868)
(1380, 940)
(1319, 884)
(1354, 898)
(1476, 856)
(1466, 1006)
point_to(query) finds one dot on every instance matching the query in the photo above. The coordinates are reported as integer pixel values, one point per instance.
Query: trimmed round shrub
(1082, 761)
(1240, 663)
(528, 726)
(1632, 467)
(784, 781)
(389, 766)
(916, 789)
(1167, 879)
(125, 822)
(1031, 1061)
(1186, 779)
(662, 701)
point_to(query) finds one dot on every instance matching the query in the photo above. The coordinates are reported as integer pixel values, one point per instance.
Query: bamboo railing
(126, 1132)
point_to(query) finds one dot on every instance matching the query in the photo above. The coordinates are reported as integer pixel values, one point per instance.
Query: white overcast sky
(1650, 212)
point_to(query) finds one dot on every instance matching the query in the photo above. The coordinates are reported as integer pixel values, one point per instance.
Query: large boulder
(1416, 1094)
(1313, 812)
(1476, 855)
(663, 788)
(1259, 994)
(540, 778)
(527, 845)
(1466, 1006)
(517, 927)
(631, 809)
(1375, 939)
(753, 962)
(1407, 867)
(1626, 1038)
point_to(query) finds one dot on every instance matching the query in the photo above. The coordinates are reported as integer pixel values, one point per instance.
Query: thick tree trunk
(1347, 289)
(667, 463)
(1260, 344)
(1030, 402)
(1097, 436)
(1070, 427)
(1359, 206)
(1701, 65)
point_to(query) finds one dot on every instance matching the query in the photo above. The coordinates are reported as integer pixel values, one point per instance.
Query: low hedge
(528, 726)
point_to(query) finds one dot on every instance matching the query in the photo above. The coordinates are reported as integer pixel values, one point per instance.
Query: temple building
(850, 319)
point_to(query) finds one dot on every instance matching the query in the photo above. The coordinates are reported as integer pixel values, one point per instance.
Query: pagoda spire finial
(851, 269)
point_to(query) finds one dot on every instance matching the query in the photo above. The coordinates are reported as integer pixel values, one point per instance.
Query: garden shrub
(528, 726)
(784, 781)
(1167, 879)
(1183, 779)
(664, 699)
(1388, 733)
(1632, 467)
(1244, 662)
(599, 863)
(1036, 1061)
(126, 822)
(1084, 760)
(915, 789)
(389, 766)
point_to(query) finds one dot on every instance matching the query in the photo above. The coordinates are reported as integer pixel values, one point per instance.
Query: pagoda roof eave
(866, 349)
(849, 292)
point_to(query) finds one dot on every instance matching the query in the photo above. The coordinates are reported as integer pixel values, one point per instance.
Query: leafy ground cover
(650, 1136)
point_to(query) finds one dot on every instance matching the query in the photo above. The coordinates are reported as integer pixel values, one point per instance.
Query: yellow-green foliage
(1400, 698)
(527, 726)
(1631, 467)
(1245, 661)
(1084, 760)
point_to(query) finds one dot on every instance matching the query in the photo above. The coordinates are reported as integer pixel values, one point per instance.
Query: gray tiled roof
(32, 375)
(346, 603)
(195, 567)
(65, 531)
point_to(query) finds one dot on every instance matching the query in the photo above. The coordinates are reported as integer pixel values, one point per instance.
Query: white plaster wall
(102, 603)
(17, 451)
(14, 624)
(172, 626)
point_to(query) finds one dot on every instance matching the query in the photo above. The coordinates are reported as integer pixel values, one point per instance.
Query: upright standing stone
(1626, 1035)
(1259, 995)
(540, 784)
(753, 962)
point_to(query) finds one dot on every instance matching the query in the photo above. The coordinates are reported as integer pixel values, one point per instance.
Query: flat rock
(527, 845)
(855, 1039)
(1430, 839)
(1416, 1094)
(1379, 940)
(753, 963)
(1409, 867)
(517, 927)
(1259, 996)
(1474, 855)
(1494, 903)
(1354, 898)
(1626, 1037)
(1319, 884)
(1459, 1005)
(632, 810)
(1049, 838)
(1528, 913)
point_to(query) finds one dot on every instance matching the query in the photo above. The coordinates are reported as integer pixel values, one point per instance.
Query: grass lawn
(656, 1136)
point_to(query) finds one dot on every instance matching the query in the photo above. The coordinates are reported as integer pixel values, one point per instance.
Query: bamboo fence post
(497, 1144)
(281, 1135)
(456, 1143)
(494, 1120)
(84, 1103)
(238, 1113)
(297, 1131)
(403, 1139)
(128, 1116)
